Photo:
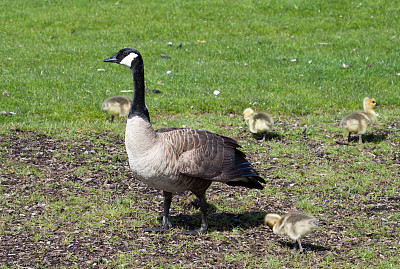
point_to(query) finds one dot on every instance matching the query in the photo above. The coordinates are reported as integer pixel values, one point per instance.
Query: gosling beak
(376, 104)
(112, 59)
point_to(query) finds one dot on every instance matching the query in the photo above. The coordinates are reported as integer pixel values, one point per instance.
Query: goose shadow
(307, 246)
(375, 138)
(220, 222)
(367, 138)
(268, 136)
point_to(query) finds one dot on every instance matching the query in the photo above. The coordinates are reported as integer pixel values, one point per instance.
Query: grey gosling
(117, 106)
(357, 122)
(258, 122)
(178, 159)
(295, 225)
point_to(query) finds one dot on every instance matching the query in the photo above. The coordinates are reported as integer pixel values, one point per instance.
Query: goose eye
(373, 102)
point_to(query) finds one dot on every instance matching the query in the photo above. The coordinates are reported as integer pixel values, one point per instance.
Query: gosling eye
(373, 102)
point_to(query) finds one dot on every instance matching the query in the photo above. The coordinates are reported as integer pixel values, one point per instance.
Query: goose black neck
(138, 106)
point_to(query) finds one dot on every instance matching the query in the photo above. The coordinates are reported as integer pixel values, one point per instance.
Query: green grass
(51, 74)
(54, 80)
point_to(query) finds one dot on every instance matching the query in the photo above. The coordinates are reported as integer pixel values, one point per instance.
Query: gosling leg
(300, 247)
(124, 120)
(264, 134)
(360, 139)
(349, 137)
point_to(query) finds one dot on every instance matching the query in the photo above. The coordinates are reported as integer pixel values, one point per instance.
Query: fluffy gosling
(295, 225)
(258, 122)
(357, 122)
(117, 106)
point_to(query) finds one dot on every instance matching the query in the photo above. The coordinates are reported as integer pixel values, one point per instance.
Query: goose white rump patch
(127, 61)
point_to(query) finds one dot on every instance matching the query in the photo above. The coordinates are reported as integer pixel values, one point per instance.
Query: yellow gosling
(295, 225)
(357, 122)
(117, 106)
(258, 122)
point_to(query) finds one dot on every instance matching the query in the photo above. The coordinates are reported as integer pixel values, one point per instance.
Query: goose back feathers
(179, 159)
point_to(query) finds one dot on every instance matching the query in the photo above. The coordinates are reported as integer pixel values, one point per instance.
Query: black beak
(112, 59)
(376, 104)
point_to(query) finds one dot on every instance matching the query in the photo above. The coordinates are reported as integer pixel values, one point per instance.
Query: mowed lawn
(67, 197)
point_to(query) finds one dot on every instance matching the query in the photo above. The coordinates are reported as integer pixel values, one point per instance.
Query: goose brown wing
(206, 155)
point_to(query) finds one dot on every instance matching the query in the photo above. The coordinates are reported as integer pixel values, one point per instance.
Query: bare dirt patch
(54, 170)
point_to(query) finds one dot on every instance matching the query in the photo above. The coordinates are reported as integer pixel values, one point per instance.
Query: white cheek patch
(127, 61)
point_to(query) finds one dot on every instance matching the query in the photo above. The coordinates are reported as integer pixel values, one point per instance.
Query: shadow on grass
(375, 138)
(268, 136)
(219, 221)
(306, 246)
(368, 138)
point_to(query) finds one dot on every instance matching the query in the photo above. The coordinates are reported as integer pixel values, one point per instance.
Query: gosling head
(247, 112)
(271, 220)
(128, 57)
(370, 103)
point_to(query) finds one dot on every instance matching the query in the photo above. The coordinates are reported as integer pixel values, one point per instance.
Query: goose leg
(348, 138)
(360, 139)
(166, 224)
(112, 118)
(204, 222)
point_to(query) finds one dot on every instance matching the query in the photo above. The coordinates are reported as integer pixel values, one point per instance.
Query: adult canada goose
(357, 122)
(178, 159)
(295, 225)
(117, 106)
(258, 122)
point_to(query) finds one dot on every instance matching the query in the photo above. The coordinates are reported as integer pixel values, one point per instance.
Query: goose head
(131, 58)
(370, 103)
(247, 112)
(128, 57)
(271, 220)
